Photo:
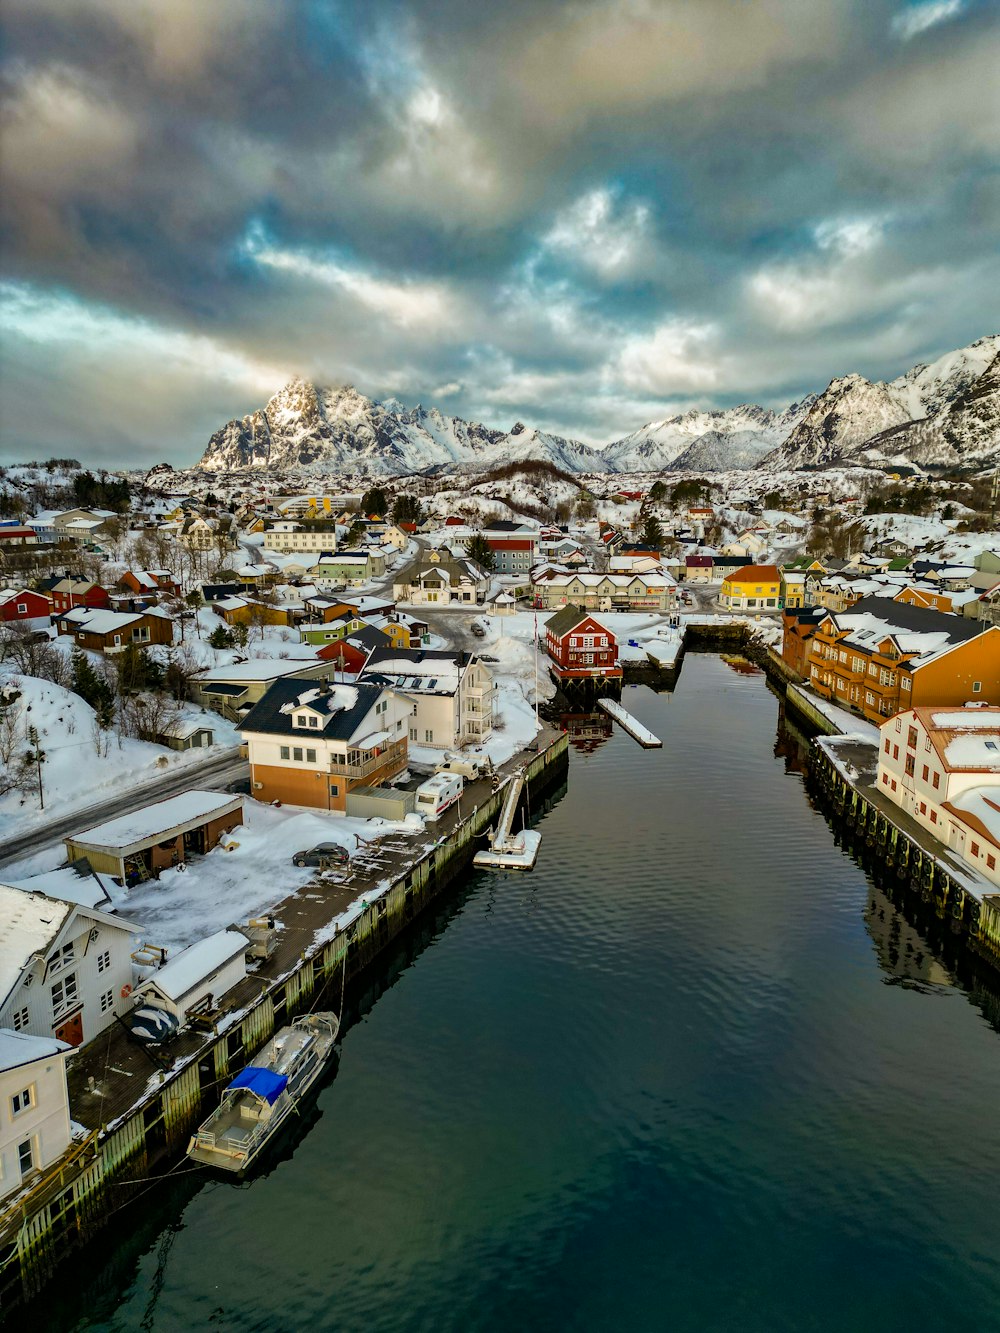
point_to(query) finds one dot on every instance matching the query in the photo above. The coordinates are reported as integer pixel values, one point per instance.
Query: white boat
(259, 1100)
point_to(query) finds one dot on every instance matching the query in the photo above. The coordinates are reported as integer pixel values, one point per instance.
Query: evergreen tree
(375, 501)
(478, 549)
(137, 670)
(221, 637)
(406, 509)
(91, 687)
(652, 533)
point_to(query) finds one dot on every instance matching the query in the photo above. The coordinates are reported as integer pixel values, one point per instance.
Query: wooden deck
(112, 1073)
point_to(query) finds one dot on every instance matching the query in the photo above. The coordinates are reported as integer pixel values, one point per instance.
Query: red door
(71, 1030)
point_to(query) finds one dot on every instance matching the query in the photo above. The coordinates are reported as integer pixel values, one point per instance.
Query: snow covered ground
(83, 763)
(225, 887)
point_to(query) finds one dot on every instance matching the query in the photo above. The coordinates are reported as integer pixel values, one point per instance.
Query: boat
(260, 1099)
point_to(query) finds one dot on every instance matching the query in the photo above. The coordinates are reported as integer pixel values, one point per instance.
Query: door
(71, 1030)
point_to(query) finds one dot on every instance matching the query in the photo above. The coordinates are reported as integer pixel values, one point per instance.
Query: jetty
(630, 724)
(136, 1110)
(509, 850)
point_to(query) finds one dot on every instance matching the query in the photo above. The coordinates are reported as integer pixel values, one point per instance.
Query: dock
(509, 850)
(630, 724)
(137, 1109)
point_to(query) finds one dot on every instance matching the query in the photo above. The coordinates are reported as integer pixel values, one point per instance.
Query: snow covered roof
(981, 807)
(258, 668)
(274, 714)
(101, 622)
(195, 964)
(29, 922)
(154, 821)
(20, 1048)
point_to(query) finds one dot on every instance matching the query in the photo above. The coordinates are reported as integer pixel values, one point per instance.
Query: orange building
(883, 656)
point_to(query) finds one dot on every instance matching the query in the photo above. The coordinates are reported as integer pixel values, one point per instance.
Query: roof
(265, 1083)
(423, 671)
(755, 574)
(29, 922)
(152, 822)
(195, 964)
(565, 620)
(256, 669)
(20, 1048)
(101, 622)
(346, 706)
(918, 631)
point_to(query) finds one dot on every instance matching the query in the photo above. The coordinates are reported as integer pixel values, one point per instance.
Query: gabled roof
(566, 620)
(755, 574)
(346, 707)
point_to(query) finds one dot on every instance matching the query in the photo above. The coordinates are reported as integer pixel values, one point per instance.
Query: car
(323, 854)
(478, 630)
(241, 787)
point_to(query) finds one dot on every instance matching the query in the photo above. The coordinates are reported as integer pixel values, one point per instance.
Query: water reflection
(900, 948)
(587, 731)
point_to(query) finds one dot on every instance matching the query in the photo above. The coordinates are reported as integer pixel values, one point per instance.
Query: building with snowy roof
(882, 656)
(450, 694)
(35, 1128)
(942, 766)
(139, 845)
(65, 968)
(310, 744)
(196, 979)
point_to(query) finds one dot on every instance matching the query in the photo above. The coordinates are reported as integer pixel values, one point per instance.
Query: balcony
(369, 762)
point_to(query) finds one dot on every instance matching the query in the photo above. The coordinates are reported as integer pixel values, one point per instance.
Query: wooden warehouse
(138, 846)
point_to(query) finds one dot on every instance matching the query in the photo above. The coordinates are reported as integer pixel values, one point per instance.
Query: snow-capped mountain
(945, 412)
(341, 429)
(731, 438)
(854, 415)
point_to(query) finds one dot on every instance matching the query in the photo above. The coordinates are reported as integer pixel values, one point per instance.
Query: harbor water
(692, 1073)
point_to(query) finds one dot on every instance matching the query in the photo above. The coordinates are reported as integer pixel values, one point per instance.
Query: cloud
(407, 302)
(602, 233)
(678, 357)
(915, 19)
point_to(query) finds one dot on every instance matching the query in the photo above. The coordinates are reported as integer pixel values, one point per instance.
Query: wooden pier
(630, 724)
(139, 1115)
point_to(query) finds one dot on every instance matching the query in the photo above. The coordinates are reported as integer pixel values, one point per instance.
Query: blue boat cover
(264, 1082)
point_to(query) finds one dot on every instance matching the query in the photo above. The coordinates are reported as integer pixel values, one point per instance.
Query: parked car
(478, 630)
(323, 854)
(240, 787)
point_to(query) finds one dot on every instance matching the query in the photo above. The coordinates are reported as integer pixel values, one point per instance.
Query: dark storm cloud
(582, 214)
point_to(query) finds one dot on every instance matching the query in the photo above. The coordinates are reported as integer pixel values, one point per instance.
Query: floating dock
(509, 850)
(630, 724)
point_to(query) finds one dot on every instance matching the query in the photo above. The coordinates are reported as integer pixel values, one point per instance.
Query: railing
(397, 750)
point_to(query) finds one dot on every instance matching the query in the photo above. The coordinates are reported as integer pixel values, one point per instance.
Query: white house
(290, 537)
(34, 1106)
(196, 979)
(450, 694)
(942, 766)
(65, 968)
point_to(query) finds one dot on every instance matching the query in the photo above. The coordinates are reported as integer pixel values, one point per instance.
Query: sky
(585, 216)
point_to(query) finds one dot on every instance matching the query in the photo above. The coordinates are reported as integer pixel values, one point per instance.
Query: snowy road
(216, 772)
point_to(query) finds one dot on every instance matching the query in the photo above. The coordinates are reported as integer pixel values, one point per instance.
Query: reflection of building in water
(586, 731)
(740, 665)
(791, 744)
(901, 950)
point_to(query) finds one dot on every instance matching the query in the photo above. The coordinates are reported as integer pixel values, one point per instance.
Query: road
(214, 774)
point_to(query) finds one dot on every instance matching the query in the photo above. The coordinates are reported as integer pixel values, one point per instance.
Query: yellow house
(793, 588)
(399, 634)
(754, 587)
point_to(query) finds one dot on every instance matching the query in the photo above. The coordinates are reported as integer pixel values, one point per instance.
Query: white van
(439, 792)
(469, 766)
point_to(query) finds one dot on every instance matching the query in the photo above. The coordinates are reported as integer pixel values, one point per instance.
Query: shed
(380, 803)
(186, 733)
(198, 977)
(138, 846)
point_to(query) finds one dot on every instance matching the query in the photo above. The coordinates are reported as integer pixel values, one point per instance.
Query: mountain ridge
(945, 411)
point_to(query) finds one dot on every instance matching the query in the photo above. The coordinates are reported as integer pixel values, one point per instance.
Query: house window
(25, 1157)
(107, 1001)
(310, 756)
(937, 781)
(910, 765)
(885, 779)
(899, 724)
(22, 608)
(104, 960)
(64, 994)
(923, 807)
(974, 848)
(297, 753)
(977, 685)
(885, 745)
(20, 1101)
(991, 863)
(924, 772)
(895, 752)
(934, 817)
(20, 1019)
(893, 784)
(428, 737)
(61, 958)
(413, 733)
(334, 789)
(911, 738)
(285, 752)
(927, 743)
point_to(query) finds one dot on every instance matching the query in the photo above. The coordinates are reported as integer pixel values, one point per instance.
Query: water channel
(694, 1072)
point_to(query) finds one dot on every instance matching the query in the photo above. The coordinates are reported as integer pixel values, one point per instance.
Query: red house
(18, 604)
(580, 647)
(70, 593)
